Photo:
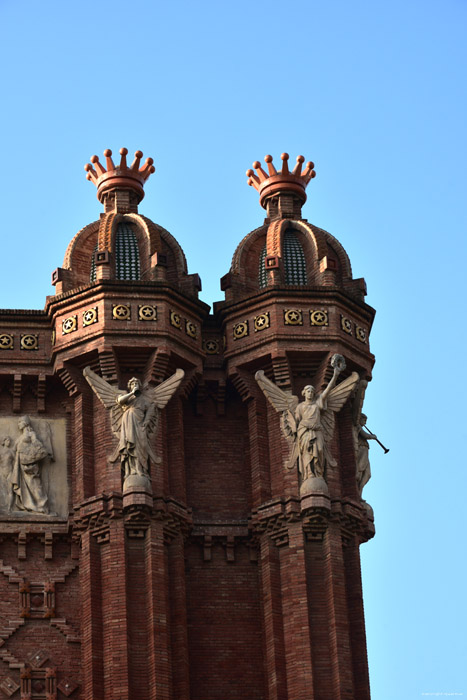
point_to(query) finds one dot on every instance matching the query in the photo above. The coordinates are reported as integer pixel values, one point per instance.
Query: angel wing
(357, 401)
(280, 399)
(285, 404)
(108, 395)
(336, 399)
(159, 396)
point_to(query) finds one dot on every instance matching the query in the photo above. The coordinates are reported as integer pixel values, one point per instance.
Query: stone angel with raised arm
(309, 425)
(134, 418)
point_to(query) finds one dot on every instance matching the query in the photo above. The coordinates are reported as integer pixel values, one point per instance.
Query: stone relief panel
(33, 471)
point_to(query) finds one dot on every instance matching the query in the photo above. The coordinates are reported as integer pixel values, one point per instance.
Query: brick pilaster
(157, 585)
(295, 616)
(91, 617)
(272, 620)
(338, 624)
(115, 622)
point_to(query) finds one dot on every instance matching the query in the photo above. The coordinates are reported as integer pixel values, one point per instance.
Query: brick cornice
(274, 518)
(109, 287)
(277, 293)
(96, 513)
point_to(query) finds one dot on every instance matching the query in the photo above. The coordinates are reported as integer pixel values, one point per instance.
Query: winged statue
(134, 417)
(361, 437)
(309, 425)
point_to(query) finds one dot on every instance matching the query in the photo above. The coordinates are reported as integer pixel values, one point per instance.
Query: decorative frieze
(346, 325)
(175, 319)
(90, 317)
(360, 334)
(6, 341)
(293, 317)
(211, 346)
(319, 317)
(262, 321)
(29, 341)
(191, 329)
(146, 312)
(121, 312)
(240, 330)
(70, 324)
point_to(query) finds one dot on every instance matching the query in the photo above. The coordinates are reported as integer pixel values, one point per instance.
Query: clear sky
(375, 95)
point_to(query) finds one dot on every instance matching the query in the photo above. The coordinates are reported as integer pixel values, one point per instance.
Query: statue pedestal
(369, 510)
(137, 491)
(314, 493)
(314, 485)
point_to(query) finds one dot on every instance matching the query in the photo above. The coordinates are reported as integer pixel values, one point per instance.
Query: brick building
(212, 575)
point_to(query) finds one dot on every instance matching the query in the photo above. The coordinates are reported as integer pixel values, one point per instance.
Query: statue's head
(24, 422)
(308, 391)
(134, 383)
(363, 419)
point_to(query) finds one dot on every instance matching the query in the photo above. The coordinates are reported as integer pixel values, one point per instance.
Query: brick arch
(77, 242)
(337, 248)
(243, 249)
(175, 248)
(316, 245)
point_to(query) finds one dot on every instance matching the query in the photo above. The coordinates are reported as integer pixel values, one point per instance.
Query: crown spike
(298, 168)
(99, 167)
(285, 165)
(137, 160)
(309, 172)
(91, 173)
(271, 168)
(253, 180)
(108, 159)
(147, 168)
(261, 173)
(123, 154)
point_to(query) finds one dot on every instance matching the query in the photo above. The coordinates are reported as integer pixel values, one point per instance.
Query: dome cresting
(275, 182)
(120, 177)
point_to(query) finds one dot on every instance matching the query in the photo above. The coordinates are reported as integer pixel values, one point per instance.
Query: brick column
(83, 446)
(356, 619)
(295, 616)
(91, 617)
(259, 454)
(273, 630)
(115, 622)
(178, 620)
(157, 585)
(338, 624)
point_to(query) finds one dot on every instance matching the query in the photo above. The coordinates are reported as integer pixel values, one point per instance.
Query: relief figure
(7, 458)
(26, 477)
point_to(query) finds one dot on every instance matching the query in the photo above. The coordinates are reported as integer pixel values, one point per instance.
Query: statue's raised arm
(134, 418)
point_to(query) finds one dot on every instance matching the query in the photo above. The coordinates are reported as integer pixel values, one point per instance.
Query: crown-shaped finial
(121, 176)
(282, 181)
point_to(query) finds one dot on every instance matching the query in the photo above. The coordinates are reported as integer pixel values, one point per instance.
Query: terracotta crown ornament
(283, 181)
(119, 176)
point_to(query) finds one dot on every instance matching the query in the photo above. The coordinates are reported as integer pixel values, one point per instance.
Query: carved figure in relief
(26, 477)
(134, 418)
(309, 425)
(361, 436)
(7, 458)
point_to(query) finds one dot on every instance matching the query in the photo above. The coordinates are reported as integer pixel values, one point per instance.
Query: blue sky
(375, 95)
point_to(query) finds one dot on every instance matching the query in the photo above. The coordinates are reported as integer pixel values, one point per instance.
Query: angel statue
(309, 425)
(134, 418)
(361, 436)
